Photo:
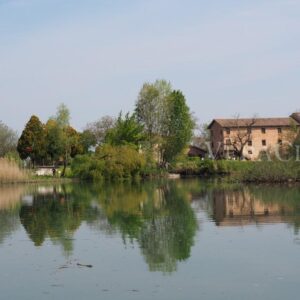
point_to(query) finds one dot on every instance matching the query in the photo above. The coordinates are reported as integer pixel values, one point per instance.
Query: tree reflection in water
(156, 216)
(56, 213)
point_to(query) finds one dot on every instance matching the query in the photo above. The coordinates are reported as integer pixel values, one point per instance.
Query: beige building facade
(248, 138)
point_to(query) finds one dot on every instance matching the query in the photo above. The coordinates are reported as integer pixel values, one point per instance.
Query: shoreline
(169, 176)
(42, 180)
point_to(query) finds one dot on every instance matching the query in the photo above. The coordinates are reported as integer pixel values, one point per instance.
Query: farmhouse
(248, 138)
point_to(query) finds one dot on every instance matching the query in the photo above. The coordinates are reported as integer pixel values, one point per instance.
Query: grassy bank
(241, 171)
(269, 172)
(196, 166)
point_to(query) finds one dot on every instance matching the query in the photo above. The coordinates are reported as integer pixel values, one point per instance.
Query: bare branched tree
(201, 135)
(242, 135)
(100, 128)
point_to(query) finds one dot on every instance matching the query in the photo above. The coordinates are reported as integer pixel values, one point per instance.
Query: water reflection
(55, 213)
(260, 205)
(10, 202)
(159, 217)
(156, 216)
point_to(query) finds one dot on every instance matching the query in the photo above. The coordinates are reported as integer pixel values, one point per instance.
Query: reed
(10, 172)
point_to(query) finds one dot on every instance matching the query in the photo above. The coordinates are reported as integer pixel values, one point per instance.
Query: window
(228, 142)
(249, 130)
(227, 130)
(263, 130)
(250, 152)
(249, 143)
(264, 142)
(279, 130)
(279, 142)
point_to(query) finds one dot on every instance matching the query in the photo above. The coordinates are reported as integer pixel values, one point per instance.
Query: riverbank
(241, 171)
(40, 180)
(232, 171)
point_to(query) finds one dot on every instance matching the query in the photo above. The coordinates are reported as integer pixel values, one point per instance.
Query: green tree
(87, 140)
(127, 131)
(63, 140)
(32, 144)
(62, 119)
(54, 145)
(179, 127)
(75, 144)
(62, 116)
(151, 108)
(8, 139)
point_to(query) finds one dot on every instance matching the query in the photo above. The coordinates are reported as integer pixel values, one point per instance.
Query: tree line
(158, 129)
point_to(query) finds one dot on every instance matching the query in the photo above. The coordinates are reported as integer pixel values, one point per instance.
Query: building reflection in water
(243, 207)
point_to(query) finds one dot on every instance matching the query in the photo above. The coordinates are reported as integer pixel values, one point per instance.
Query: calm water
(184, 239)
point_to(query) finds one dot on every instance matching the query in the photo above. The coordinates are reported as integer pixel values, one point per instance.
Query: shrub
(110, 163)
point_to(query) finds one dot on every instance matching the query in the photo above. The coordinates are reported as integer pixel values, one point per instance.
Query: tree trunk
(64, 169)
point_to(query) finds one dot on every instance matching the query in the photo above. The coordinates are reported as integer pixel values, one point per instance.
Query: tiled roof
(255, 122)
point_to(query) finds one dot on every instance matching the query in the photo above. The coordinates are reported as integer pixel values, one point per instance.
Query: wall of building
(271, 136)
(217, 138)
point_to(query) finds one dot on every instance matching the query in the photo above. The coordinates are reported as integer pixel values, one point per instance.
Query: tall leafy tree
(31, 144)
(179, 126)
(151, 108)
(75, 142)
(54, 136)
(62, 116)
(8, 139)
(87, 140)
(65, 139)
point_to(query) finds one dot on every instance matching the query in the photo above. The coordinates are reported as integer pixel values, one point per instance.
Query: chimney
(296, 116)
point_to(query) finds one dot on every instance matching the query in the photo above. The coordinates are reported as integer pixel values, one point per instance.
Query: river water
(178, 239)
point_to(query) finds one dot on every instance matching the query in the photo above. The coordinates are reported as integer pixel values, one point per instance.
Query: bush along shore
(269, 172)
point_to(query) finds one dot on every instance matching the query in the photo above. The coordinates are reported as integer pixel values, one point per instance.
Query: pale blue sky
(226, 56)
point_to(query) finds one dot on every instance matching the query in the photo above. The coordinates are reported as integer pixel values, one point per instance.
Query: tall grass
(10, 172)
